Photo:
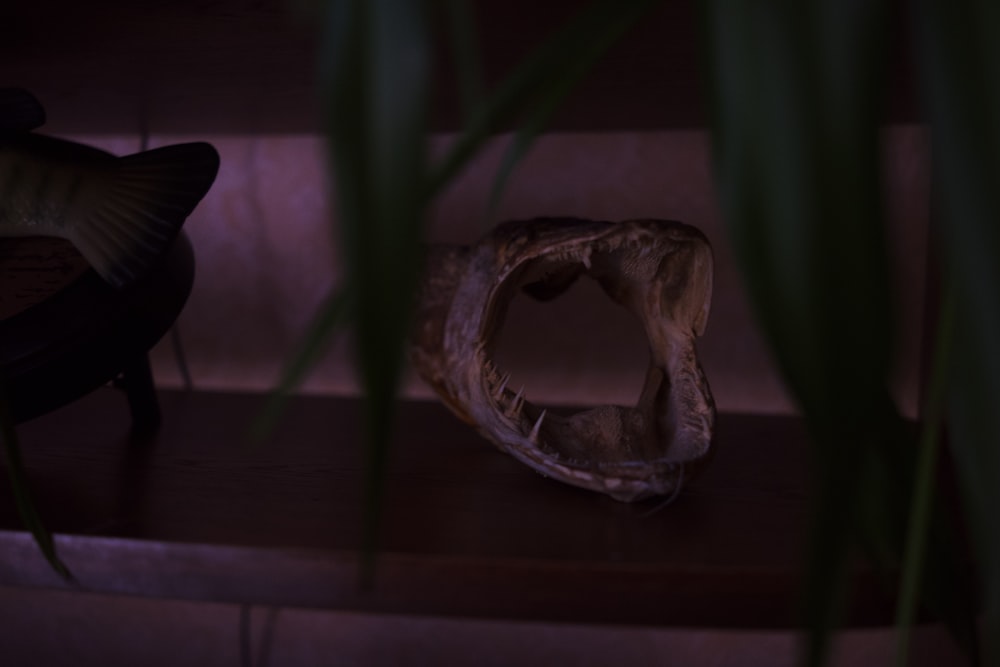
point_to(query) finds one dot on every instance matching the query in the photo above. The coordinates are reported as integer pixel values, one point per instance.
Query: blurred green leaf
(541, 80)
(463, 31)
(376, 83)
(377, 90)
(796, 149)
(797, 90)
(797, 169)
(923, 494)
(333, 315)
(581, 51)
(958, 56)
(22, 496)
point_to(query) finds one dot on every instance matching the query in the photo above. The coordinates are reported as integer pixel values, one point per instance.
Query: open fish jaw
(659, 270)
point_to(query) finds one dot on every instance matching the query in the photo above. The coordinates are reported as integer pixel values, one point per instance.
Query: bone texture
(659, 270)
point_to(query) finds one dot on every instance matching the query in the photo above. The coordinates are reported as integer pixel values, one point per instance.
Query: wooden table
(195, 513)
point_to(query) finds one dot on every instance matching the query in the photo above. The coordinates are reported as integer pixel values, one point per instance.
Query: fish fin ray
(139, 208)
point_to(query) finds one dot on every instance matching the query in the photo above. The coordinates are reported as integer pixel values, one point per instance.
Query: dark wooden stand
(64, 332)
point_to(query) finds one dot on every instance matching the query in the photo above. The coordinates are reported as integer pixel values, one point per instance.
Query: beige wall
(265, 258)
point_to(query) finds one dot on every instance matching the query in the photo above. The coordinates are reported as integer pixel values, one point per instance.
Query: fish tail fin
(140, 206)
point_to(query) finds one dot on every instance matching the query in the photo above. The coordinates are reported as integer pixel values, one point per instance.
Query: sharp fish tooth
(515, 405)
(537, 428)
(498, 393)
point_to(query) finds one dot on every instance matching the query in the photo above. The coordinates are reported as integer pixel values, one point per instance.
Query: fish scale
(120, 213)
(31, 197)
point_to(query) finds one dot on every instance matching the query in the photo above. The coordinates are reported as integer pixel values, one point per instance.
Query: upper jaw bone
(660, 270)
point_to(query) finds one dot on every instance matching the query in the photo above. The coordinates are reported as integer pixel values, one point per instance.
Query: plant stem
(22, 497)
(923, 490)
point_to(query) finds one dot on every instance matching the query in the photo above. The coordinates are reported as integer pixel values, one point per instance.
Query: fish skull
(659, 270)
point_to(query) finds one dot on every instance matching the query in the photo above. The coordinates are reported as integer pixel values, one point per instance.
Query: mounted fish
(120, 213)
(659, 270)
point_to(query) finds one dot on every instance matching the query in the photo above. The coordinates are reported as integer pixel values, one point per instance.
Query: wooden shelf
(195, 513)
(228, 66)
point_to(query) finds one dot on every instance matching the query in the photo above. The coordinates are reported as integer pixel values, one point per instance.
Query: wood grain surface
(198, 513)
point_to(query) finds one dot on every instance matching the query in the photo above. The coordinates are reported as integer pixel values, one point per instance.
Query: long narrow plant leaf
(923, 493)
(959, 64)
(797, 157)
(377, 86)
(796, 149)
(22, 496)
(792, 229)
(333, 315)
(463, 31)
(376, 80)
(544, 67)
(797, 165)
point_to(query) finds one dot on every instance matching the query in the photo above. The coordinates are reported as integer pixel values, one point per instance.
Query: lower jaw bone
(659, 270)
